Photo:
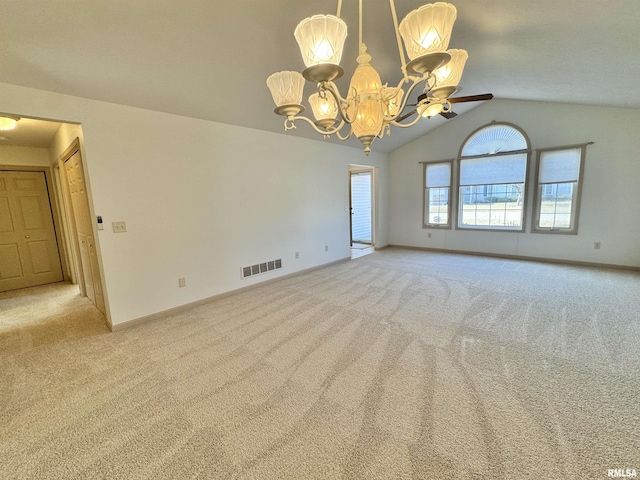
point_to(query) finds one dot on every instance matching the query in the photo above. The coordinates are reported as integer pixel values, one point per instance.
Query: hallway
(37, 316)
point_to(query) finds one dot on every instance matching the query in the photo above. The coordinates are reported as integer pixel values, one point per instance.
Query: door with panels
(29, 254)
(84, 231)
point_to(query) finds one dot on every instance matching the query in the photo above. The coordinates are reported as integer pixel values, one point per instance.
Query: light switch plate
(119, 227)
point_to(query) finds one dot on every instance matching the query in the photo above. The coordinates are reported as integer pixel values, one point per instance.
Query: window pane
(437, 189)
(493, 170)
(556, 205)
(494, 139)
(437, 207)
(498, 207)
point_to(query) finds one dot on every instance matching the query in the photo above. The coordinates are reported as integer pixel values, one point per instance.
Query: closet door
(29, 253)
(84, 231)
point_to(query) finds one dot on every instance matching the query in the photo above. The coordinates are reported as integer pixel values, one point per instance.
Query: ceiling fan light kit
(371, 107)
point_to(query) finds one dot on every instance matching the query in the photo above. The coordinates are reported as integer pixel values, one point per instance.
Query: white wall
(24, 156)
(65, 135)
(201, 199)
(610, 198)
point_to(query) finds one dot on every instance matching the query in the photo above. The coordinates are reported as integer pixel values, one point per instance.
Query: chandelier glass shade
(323, 107)
(371, 106)
(428, 29)
(448, 76)
(321, 39)
(286, 89)
(365, 110)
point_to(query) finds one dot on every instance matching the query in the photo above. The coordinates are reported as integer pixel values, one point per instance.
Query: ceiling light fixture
(371, 107)
(8, 122)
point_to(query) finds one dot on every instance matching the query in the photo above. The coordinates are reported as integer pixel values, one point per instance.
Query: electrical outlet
(182, 282)
(297, 254)
(119, 227)
(596, 245)
(326, 248)
(429, 235)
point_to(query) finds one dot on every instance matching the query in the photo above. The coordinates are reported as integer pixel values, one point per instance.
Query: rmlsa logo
(622, 473)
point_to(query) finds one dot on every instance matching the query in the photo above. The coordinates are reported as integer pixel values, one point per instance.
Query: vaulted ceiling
(209, 59)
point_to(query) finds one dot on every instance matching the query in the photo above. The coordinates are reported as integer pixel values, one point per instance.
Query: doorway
(46, 230)
(76, 204)
(361, 230)
(362, 209)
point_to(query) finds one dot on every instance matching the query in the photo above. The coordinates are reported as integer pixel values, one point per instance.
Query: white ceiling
(209, 59)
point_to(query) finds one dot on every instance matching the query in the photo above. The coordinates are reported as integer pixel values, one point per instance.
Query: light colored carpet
(397, 365)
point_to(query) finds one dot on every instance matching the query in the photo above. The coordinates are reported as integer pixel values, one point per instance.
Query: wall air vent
(259, 268)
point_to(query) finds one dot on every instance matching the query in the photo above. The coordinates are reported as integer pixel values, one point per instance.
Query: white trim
(181, 308)
(522, 257)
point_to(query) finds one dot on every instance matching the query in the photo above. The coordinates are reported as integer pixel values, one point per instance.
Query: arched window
(492, 178)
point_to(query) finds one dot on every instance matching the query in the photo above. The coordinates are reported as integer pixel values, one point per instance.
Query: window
(437, 181)
(493, 173)
(558, 186)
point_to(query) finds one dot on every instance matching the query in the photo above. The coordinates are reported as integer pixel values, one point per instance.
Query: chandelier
(371, 107)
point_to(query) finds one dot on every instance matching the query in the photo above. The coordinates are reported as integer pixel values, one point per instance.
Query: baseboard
(384, 247)
(522, 257)
(155, 316)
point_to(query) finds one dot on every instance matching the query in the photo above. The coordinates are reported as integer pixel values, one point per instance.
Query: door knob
(27, 236)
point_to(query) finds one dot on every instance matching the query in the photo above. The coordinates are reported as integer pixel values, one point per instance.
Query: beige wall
(610, 196)
(201, 199)
(25, 156)
(64, 137)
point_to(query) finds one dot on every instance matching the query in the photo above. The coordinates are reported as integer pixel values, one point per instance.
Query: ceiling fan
(446, 113)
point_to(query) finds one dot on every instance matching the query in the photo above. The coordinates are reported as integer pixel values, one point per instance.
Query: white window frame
(577, 193)
(460, 203)
(425, 198)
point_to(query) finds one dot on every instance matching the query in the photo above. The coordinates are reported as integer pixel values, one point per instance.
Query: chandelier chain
(403, 59)
(360, 25)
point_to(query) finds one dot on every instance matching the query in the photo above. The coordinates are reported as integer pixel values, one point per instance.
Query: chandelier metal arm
(406, 125)
(342, 102)
(331, 131)
(346, 137)
(416, 81)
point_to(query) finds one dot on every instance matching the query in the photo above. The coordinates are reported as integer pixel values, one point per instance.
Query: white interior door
(361, 207)
(29, 253)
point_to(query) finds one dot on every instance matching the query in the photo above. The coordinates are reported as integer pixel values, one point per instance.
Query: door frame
(70, 221)
(374, 199)
(53, 205)
(72, 246)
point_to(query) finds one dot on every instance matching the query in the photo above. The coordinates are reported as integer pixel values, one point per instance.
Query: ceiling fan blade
(471, 98)
(406, 115)
(449, 115)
